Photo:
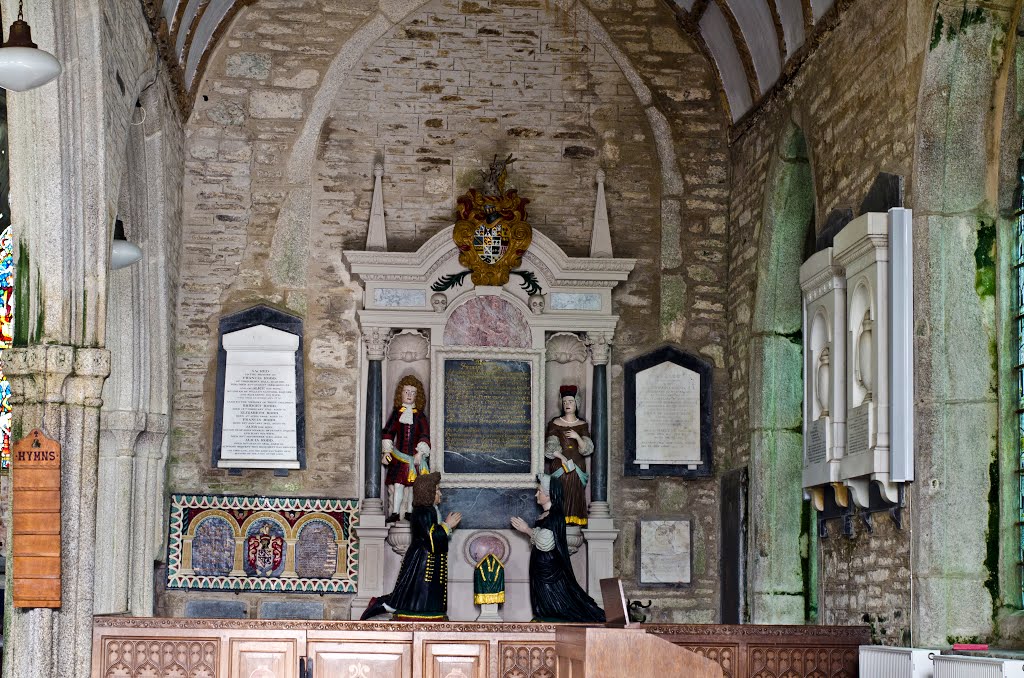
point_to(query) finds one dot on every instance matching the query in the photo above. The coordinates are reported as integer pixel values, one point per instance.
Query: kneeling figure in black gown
(554, 592)
(421, 590)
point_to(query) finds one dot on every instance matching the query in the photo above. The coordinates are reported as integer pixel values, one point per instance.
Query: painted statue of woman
(565, 451)
(421, 590)
(554, 592)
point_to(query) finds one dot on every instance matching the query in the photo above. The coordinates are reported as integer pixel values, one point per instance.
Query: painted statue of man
(405, 444)
(421, 589)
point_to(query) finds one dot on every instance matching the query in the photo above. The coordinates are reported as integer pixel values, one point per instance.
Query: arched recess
(136, 396)
(778, 589)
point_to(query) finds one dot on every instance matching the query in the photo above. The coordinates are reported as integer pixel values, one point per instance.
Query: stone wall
(300, 99)
(855, 100)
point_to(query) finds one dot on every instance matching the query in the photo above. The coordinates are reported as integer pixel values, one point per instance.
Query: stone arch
(962, 287)
(777, 586)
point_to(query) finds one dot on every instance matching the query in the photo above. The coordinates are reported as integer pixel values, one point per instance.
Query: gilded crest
(492, 234)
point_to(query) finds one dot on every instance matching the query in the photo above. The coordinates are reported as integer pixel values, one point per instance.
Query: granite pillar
(600, 532)
(371, 529)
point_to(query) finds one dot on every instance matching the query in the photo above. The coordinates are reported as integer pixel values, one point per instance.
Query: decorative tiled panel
(262, 543)
(159, 658)
(517, 660)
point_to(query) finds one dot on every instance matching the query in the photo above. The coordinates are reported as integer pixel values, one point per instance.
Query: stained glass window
(6, 289)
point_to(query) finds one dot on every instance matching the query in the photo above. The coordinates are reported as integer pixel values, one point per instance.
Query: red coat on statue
(405, 438)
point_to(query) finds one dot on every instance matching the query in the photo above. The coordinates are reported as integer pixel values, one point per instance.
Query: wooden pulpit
(596, 652)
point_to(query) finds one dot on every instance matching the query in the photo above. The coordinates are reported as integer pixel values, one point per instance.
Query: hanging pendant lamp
(23, 65)
(122, 252)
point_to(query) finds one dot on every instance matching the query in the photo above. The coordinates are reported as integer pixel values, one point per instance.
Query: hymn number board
(36, 512)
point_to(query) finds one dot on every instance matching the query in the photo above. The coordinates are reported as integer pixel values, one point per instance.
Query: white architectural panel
(819, 7)
(791, 13)
(719, 40)
(758, 27)
(212, 18)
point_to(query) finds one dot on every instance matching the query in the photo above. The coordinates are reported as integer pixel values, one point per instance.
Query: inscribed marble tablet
(259, 397)
(667, 415)
(664, 551)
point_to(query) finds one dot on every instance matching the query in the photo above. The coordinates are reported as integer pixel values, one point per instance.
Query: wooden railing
(229, 648)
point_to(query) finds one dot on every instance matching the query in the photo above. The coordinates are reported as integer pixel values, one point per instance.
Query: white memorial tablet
(259, 426)
(667, 416)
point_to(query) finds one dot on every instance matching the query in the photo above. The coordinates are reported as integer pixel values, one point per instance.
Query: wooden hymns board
(35, 466)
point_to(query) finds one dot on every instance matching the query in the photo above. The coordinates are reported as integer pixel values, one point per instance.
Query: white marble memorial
(259, 425)
(665, 552)
(667, 416)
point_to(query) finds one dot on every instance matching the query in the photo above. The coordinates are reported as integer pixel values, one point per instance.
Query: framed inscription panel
(668, 421)
(487, 416)
(259, 420)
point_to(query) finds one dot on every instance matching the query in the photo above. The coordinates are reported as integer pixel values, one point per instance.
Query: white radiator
(954, 666)
(880, 661)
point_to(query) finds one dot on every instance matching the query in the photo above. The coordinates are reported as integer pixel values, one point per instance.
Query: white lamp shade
(24, 68)
(123, 253)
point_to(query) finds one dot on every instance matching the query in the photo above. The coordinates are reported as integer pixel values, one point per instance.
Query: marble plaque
(816, 441)
(667, 416)
(664, 552)
(259, 402)
(487, 416)
(399, 298)
(858, 430)
(575, 301)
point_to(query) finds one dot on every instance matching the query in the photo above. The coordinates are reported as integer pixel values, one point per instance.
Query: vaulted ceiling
(750, 41)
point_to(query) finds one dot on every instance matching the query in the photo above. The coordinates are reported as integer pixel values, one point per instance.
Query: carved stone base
(600, 535)
(372, 532)
(489, 613)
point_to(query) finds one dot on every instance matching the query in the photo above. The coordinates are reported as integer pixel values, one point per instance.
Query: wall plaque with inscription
(817, 441)
(487, 416)
(858, 430)
(668, 415)
(260, 416)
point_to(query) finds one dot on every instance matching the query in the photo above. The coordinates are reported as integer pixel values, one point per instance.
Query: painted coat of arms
(264, 552)
(492, 233)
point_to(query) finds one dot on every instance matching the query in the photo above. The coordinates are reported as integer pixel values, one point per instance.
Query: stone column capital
(376, 340)
(600, 345)
(54, 373)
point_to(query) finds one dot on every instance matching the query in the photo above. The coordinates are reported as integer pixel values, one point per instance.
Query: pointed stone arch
(778, 590)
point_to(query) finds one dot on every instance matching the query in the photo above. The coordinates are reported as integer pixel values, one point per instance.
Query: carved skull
(537, 303)
(439, 301)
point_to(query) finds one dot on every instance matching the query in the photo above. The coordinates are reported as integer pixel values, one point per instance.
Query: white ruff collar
(406, 416)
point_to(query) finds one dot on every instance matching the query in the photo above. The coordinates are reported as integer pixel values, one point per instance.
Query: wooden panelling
(229, 648)
(755, 651)
(388, 659)
(524, 660)
(455, 660)
(255, 658)
(35, 547)
(156, 658)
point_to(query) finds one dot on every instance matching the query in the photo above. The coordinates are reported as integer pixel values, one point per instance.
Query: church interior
(741, 281)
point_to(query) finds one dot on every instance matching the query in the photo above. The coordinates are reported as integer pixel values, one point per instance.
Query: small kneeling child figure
(421, 590)
(554, 593)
